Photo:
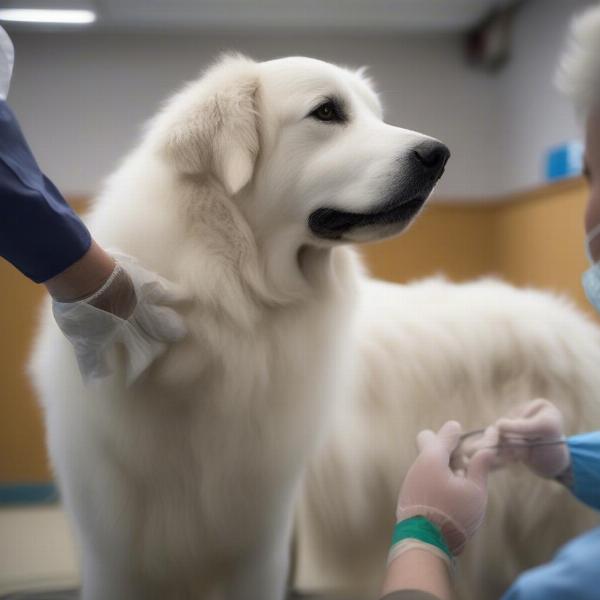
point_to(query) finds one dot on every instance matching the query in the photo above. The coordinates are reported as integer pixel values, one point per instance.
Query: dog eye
(328, 111)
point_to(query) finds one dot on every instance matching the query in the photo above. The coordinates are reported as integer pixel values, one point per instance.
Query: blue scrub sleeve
(39, 232)
(585, 467)
(571, 575)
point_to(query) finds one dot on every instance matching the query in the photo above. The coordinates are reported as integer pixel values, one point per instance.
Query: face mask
(591, 278)
(7, 58)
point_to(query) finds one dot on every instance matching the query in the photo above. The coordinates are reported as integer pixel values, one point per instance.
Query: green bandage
(423, 531)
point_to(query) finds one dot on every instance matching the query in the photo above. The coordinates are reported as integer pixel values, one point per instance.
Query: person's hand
(454, 501)
(133, 308)
(536, 422)
(472, 443)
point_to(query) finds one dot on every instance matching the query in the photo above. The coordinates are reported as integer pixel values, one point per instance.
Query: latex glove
(470, 445)
(454, 501)
(535, 421)
(7, 59)
(134, 309)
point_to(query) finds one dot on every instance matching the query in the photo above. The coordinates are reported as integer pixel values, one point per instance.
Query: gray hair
(578, 75)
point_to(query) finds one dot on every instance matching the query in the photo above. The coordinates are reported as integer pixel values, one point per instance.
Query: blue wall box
(564, 161)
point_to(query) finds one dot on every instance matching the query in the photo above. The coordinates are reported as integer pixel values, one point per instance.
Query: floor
(72, 595)
(37, 555)
(36, 550)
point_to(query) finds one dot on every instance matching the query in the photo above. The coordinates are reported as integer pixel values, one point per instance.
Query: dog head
(301, 147)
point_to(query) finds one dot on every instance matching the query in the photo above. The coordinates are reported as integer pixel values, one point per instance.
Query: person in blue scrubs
(575, 571)
(439, 509)
(98, 300)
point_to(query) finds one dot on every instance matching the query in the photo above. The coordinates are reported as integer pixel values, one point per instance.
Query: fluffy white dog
(244, 191)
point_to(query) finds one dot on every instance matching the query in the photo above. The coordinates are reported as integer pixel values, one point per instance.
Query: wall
(535, 116)
(22, 452)
(90, 93)
(22, 447)
(450, 239)
(531, 239)
(82, 98)
(539, 239)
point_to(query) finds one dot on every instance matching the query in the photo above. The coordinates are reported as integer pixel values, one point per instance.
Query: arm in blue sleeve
(585, 467)
(571, 575)
(39, 232)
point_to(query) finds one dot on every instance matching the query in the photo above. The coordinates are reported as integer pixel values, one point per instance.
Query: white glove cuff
(115, 273)
(409, 544)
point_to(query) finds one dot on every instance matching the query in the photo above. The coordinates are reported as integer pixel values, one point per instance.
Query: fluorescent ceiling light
(38, 15)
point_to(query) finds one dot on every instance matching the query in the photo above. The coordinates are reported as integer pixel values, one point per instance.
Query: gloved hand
(134, 309)
(7, 59)
(537, 421)
(469, 445)
(454, 501)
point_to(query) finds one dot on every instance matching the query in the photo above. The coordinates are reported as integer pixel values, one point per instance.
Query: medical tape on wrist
(420, 533)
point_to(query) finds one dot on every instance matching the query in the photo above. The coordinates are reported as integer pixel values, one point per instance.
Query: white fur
(184, 485)
(429, 352)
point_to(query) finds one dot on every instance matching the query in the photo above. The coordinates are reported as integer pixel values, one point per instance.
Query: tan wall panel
(22, 446)
(540, 240)
(22, 453)
(534, 239)
(449, 239)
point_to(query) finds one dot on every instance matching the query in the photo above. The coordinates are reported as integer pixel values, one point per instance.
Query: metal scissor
(512, 441)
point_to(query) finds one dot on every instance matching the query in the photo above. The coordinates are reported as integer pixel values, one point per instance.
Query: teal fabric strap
(420, 528)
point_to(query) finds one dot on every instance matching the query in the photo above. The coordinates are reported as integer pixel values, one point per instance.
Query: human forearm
(417, 571)
(83, 277)
(438, 510)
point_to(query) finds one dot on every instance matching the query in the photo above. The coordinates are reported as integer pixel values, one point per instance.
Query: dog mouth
(332, 224)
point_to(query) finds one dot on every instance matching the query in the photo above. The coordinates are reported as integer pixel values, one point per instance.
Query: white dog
(243, 191)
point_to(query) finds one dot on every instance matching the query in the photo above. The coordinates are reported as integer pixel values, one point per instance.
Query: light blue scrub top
(574, 573)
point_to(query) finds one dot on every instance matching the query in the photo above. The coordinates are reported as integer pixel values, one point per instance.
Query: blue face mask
(591, 278)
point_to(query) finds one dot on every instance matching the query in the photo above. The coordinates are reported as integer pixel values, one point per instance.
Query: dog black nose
(433, 156)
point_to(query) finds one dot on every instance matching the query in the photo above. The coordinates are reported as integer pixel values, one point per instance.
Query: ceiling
(284, 15)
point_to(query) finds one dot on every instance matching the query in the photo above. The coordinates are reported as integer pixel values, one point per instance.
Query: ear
(211, 126)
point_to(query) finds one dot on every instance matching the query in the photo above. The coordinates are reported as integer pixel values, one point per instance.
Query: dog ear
(211, 126)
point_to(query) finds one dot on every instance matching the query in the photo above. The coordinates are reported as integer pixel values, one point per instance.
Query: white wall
(82, 97)
(535, 116)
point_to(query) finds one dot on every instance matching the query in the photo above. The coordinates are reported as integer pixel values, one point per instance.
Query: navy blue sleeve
(39, 232)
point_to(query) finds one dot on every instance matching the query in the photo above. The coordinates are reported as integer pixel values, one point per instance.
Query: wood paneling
(534, 239)
(446, 238)
(530, 239)
(22, 453)
(539, 240)
(22, 447)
